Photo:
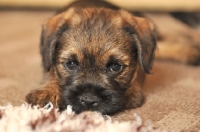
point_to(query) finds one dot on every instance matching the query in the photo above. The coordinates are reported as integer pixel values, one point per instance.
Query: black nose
(89, 100)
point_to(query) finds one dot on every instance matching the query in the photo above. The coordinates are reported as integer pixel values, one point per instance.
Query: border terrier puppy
(93, 55)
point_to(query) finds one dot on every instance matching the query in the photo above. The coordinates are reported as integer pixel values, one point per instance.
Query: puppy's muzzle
(92, 97)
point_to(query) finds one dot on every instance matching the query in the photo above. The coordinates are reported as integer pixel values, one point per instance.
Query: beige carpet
(172, 92)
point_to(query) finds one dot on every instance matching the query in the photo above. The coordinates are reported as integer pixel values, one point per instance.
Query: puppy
(91, 54)
(95, 56)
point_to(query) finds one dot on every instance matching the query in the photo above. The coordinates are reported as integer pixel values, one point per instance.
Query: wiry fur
(94, 38)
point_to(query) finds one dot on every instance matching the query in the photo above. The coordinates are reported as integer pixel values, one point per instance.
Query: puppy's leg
(134, 97)
(179, 41)
(48, 92)
(134, 94)
(180, 52)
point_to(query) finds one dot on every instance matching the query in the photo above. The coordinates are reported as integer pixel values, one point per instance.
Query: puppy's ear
(51, 31)
(143, 32)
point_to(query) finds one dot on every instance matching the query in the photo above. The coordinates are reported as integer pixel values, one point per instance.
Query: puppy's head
(95, 53)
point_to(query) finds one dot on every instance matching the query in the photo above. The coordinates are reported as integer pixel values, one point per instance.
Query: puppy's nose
(89, 100)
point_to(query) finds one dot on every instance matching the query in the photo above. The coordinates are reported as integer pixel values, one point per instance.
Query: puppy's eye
(71, 65)
(115, 67)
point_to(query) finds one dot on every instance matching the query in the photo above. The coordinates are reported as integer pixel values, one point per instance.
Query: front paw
(42, 97)
(134, 99)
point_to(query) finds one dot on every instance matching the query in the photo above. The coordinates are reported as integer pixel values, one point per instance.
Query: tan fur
(107, 41)
(50, 92)
(179, 42)
(180, 52)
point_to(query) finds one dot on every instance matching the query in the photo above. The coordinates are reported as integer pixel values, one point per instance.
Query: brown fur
(179, 42)
(49, 91)
(95, 35)
(92, 35)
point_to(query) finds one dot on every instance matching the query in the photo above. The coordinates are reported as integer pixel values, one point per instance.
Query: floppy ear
(144, 34)
(51, 31)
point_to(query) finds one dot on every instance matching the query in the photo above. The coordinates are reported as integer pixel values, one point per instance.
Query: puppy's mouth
(89, 97)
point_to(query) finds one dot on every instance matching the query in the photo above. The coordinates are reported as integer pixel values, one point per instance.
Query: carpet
(172, 91)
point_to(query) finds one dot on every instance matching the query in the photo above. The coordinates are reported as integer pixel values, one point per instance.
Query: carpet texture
(172, 91)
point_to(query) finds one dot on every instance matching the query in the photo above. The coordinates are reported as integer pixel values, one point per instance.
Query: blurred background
(138, 5)
(148, 5)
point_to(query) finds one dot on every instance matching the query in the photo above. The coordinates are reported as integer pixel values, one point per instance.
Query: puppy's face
(95, 53)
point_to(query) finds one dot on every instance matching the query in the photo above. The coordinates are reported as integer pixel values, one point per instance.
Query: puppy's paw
(134, 99)
(42, 97)
(193, 55)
